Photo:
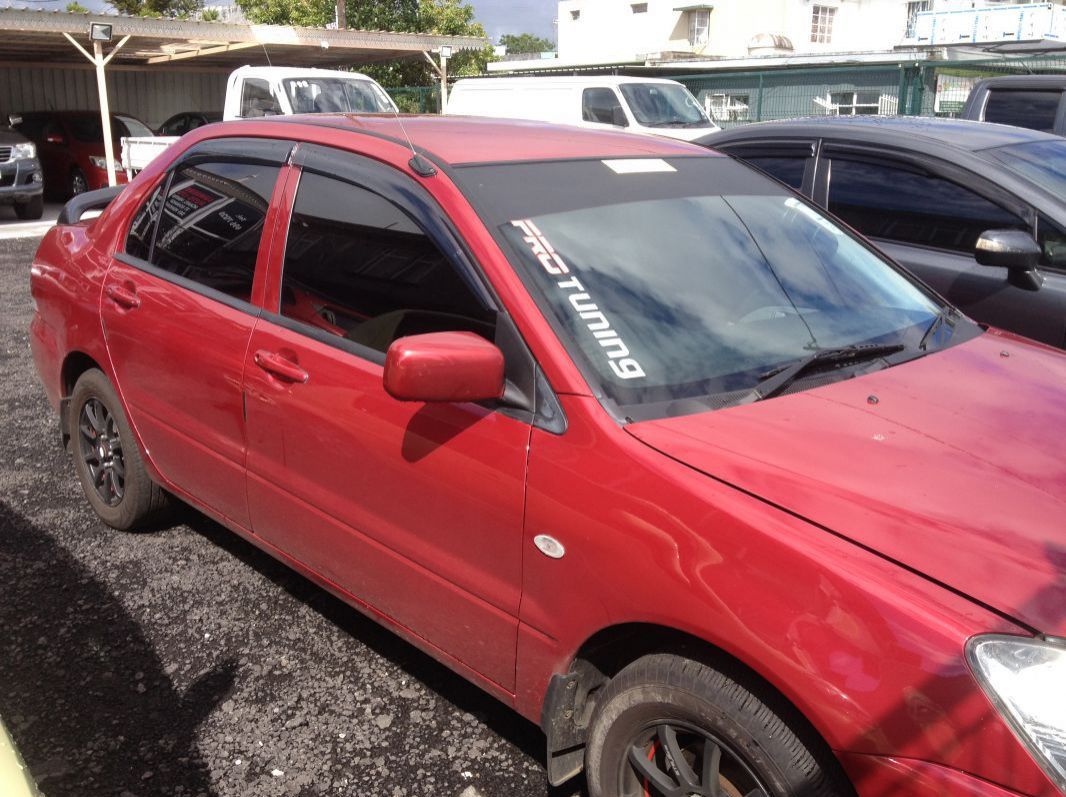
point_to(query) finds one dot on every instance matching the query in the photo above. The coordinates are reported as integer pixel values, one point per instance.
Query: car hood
(953, 465)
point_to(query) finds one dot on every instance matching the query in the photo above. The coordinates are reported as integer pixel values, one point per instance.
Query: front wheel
(77, 183)
(106, 457)
(30, 210)
(667, 726)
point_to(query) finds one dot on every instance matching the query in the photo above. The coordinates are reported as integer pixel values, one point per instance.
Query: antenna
(263, 45)
(419, 164)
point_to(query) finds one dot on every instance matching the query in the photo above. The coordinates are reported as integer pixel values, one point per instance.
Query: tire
(661, 703)
(107, 459)
(31, 210)
(77, 183)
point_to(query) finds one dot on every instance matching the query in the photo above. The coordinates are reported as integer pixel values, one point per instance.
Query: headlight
(20, 151)
(1026, 680)
(98, 161)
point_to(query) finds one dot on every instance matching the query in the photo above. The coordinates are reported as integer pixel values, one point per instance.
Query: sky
(517, 16)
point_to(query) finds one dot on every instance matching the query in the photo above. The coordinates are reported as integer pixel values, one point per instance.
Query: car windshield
(664, 105)
(337, 95)
(1041, 162)
(673, 296)
(134, 127)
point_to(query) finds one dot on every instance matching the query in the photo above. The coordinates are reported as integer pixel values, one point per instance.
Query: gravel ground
(185, 662)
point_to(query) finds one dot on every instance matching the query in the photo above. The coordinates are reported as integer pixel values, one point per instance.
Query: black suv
(977, 211)
(1033, 101)
(21, 182)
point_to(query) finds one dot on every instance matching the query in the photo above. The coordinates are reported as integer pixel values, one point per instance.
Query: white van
(637, 104)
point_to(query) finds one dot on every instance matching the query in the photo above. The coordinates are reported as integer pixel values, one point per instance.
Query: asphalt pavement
(184, 662)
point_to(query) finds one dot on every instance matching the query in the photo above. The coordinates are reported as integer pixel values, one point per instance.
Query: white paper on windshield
(638, 166)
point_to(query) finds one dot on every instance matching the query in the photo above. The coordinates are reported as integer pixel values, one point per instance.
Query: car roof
(1023, 81)
(459, 140)
(565, 80)
(954, 134)
(282, 72)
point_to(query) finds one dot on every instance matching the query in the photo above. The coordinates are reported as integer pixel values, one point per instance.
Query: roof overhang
(36, 38)
(695, 7)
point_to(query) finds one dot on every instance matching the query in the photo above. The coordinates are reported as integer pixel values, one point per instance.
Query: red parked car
(631, 436)
(70, 145)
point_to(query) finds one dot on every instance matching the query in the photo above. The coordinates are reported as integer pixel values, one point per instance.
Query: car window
(1052, 240)
(31, 127)
(139, 237)
(1033, 109)
(789, 170)
(211, 224)
(131, 126)
(602, 105)
(909, 206)
(257, 99)
(358, 268)
(175, 126)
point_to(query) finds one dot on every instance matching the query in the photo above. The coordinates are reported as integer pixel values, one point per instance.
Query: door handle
(281, 367)
(123, 297)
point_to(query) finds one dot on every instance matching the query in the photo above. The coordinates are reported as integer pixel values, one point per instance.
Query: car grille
(5, 154)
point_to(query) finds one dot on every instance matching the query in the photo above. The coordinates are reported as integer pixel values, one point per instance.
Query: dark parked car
(1033, 101)
(70, 145)
(927, 191)
(181, 123)
(630, 435)
(20, 175)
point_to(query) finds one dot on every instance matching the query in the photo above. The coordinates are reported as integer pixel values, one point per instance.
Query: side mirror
(618, 117)
(14, 120)
(1015, 251)
(444, 367)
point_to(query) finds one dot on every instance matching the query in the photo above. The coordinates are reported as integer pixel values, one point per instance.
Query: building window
(575, 14)
(639, 8)
(914, 8)
(727, 107)
(856, 103)
(699, 27)
(822, 24)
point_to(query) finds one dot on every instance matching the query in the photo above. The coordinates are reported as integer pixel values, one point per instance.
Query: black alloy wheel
(78, 183)
(100, 446)
(676, 759)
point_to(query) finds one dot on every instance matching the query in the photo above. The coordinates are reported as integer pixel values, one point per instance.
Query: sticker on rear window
(638, 166)
(580, 302)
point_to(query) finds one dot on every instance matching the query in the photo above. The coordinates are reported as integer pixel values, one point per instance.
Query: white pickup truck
(258, 91)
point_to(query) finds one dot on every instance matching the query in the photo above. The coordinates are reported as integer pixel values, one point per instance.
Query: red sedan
(628, 434)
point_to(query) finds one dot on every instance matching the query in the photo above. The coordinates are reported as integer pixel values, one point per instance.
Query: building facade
(624, 31)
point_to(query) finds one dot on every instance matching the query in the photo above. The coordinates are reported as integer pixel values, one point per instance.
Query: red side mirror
(444, 367)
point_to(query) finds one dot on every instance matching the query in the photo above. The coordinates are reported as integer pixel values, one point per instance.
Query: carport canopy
(29, 37)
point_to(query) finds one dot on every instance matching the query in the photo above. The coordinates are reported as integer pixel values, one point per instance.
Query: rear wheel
(30, 210)
(106, 457)
(667, 726)
(77, 183)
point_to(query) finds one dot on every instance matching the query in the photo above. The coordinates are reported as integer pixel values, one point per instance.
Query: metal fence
(929, 88)
(416, 99)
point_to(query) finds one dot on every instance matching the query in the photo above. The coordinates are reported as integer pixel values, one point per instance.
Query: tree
(445, 17)
(75, 7)
(156, 8)
(525, 43)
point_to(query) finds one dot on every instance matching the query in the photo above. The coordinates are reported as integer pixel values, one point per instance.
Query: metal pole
(105, 112)
(443, 84)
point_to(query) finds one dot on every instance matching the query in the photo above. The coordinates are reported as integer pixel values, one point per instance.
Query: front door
(414, 510)
(177, 313)
(929, 220)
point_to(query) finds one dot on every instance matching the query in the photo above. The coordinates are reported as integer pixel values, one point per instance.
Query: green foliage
(525, 43)
(76, 8)
(210, 15)
(156, 8)
(445, 17)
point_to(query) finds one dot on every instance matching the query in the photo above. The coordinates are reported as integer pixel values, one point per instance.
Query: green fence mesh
(416, 99)
(929, 88)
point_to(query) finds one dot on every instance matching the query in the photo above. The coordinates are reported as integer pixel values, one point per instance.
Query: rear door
(928, 216)
(178, 311)
(412, 509)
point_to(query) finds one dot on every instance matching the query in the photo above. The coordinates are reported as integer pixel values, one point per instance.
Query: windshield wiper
(778, 380)
(944, 316)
